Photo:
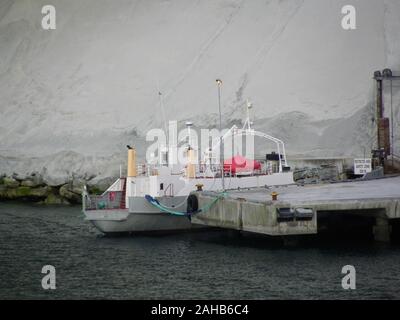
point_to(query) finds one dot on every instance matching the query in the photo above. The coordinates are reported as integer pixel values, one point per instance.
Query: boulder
(41, 192)
(33, 181)
(101, 184)
(27, 193)
(23, 192)
(55, 199)
(28, 183)
(20, 176)
(96, 190)
(76, 186)
(3, 191)
(10, 193)
(55, 181)
(299, 174)
(66, 191)
(10, 182)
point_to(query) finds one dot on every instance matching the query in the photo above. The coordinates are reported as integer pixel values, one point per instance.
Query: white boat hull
(141, 217)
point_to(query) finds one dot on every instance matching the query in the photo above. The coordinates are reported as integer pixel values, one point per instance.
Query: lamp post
(391, 121)
(249, 105)
(191, 166)
(221, 142)
(166, 147)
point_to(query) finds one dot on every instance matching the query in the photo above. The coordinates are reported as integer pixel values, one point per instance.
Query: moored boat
(155, 197)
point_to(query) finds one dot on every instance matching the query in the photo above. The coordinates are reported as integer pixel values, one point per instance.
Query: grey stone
(33, 181)
(41, 191)
(27, 183)
(66, 192)
(3, 191)
(10, 182)
(55, 199)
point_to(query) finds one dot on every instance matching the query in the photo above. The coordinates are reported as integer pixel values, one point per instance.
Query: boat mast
(247, 123)
(189, 124)
(221, 147)
(165, 125)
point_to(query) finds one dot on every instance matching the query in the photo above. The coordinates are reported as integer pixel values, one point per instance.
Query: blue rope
(158, 205)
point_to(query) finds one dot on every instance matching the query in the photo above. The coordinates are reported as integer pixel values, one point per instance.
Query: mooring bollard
(274, 196)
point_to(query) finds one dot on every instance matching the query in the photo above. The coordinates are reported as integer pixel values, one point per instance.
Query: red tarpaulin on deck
(240, 164)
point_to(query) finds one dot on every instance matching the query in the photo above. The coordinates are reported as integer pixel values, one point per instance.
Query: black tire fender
(192, 204)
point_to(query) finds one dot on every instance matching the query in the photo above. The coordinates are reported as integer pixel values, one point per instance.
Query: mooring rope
(165, 209)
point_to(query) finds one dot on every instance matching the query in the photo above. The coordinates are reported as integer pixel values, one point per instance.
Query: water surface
(213, 264)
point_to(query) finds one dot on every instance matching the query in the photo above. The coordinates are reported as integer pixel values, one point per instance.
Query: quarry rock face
(73, 97)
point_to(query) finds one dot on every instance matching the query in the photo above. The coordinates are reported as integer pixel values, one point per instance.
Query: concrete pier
(298, 209)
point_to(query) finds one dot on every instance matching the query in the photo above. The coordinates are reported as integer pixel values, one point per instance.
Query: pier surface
(298, 209)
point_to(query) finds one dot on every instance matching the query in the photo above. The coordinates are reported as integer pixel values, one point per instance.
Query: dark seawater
(213, 264)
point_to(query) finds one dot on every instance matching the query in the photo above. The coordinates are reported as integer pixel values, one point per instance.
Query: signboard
(362, 166)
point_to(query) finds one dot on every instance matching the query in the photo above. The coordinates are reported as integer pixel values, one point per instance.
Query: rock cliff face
(72, 98)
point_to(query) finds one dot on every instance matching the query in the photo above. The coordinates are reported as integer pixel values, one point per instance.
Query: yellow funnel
(191, 166)
(131, 163)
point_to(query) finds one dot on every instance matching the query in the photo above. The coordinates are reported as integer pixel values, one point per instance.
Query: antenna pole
(221, 145)
(165, 123)
(391, 120)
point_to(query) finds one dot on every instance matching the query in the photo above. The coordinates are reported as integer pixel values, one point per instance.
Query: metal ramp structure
(235, 131)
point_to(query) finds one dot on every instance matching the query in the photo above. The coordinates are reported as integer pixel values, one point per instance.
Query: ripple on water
(212, 264)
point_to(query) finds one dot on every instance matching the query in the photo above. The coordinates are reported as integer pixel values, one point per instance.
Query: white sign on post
(362, 166)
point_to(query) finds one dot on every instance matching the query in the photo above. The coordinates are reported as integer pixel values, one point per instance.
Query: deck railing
(109, 200)
(202, 170)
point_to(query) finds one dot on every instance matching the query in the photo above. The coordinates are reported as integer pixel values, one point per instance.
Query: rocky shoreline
(33, 188)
